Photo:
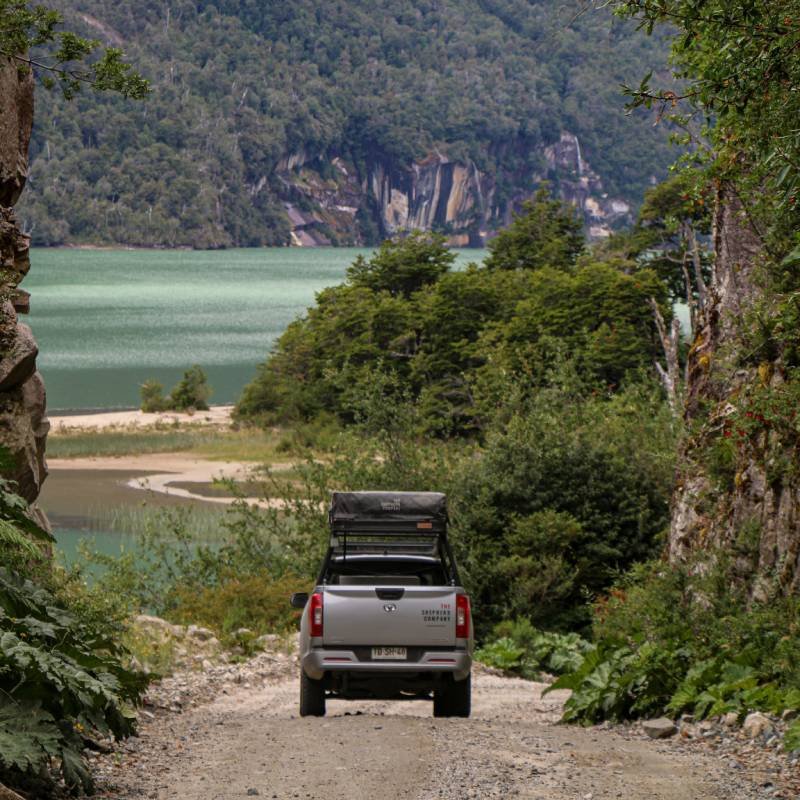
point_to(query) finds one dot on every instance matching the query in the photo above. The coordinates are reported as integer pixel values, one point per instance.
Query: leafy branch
(25, 28)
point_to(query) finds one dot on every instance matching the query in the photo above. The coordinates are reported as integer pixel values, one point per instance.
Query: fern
(11, 538)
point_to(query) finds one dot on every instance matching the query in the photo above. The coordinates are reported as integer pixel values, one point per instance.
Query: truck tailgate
(369, 615)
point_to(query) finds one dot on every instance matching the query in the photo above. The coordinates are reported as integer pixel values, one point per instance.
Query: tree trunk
(752, 517)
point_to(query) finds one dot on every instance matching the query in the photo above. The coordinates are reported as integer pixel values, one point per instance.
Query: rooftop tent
(390, 523)
(395, 506)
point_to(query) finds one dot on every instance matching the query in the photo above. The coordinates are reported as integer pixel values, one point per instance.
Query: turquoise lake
(107, 320)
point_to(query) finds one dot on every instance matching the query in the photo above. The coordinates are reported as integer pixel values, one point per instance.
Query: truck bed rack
(390, 523)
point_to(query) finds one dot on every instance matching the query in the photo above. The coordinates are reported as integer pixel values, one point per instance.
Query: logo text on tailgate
(436, 616)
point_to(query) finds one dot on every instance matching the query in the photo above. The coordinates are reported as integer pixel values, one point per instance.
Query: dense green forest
(238, 86)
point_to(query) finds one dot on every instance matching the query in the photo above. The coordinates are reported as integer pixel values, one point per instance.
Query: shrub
(520, 648)
(620, 683)
(259, 602)
(503, 654)
(62, 680)
(192, 391)
(686, 638)
(152, 396)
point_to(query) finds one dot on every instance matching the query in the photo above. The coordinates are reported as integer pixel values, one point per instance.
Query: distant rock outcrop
(23, 422)
(330, 197)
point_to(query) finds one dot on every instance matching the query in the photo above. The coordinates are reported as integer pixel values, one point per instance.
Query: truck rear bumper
(317, 661)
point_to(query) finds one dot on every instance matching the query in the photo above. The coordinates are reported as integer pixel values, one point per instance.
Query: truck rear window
(396, 573)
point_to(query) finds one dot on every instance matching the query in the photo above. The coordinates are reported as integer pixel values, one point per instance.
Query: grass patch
(203, 524)
(223, 445)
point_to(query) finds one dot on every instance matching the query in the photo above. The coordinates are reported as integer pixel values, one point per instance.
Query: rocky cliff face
(737, 490)
(330, 197)
(577, 183)
(23, 423)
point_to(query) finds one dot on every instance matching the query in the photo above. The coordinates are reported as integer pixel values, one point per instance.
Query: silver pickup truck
(388, 617)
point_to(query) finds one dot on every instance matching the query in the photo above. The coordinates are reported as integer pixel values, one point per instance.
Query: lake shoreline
(215, 416)
(160, 472)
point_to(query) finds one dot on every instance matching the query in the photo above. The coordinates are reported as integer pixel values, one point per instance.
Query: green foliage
(738, 64)
(670, 236)
(453, 339)
(545, 234)
(198, 166)
(255, 601)
(22, 538)
(570, 488)
(520, 648)
(677, 639)
(60, 677)
(501, 653)
(791, 739)
(152, 395)
(402, 267)
(192, 391)
(717, 686)
(620, 683)
(66, 63)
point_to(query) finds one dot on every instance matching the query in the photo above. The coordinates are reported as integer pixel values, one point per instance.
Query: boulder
(18, 362)
(23, 430)
(153, 623)
(199, 633)
(731, 719)
(14, 249)
(661, 728)
(756, 724)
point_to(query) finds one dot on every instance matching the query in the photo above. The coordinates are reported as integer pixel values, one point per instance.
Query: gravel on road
(233, 731)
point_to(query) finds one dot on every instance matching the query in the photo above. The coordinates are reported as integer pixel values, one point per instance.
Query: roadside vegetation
(64, 677)
(527, 390)
(205, 441)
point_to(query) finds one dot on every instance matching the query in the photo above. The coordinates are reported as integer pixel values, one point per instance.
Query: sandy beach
(176, 475)
(216, 416)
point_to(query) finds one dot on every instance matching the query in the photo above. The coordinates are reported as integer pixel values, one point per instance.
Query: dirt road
(249, 742)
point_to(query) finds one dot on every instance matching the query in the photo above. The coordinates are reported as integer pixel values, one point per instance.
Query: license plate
(389, 653)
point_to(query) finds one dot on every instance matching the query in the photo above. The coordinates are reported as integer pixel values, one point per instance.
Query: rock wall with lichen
(23, 421)
(738, 486)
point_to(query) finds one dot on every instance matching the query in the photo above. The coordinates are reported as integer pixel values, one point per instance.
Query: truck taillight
(315, 614)
(462, 616)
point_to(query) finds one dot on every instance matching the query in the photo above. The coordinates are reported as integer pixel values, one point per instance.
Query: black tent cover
(410, 506)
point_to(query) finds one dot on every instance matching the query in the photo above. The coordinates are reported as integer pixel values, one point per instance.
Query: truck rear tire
(454, 699)
(312, 696)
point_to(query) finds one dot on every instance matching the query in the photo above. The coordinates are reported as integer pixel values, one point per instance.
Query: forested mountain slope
(342, 121)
